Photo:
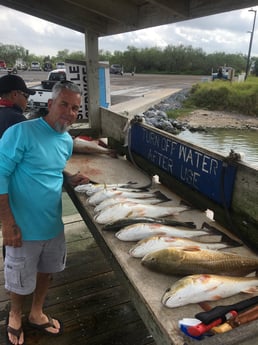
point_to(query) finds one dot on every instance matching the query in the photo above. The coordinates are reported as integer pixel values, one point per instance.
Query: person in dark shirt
(14, 96)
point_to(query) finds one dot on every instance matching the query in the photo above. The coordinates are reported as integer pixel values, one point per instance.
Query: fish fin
(216, 297)
(168, 239)
(251, 275)
(225, 238)
(191, 249)
(161, 196)
(161, 234)
(186, 203)
(251, 290)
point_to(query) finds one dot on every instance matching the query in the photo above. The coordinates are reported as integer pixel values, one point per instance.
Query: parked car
(35, 66)
(2, 64)
(22, 66)
(116, 69)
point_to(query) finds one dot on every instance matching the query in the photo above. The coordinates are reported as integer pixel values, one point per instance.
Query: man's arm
(10, 230)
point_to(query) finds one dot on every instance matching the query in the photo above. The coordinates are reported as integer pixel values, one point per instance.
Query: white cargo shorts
(22, 264)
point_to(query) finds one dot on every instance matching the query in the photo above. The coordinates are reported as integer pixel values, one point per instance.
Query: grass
(222, 95)
(177, 113)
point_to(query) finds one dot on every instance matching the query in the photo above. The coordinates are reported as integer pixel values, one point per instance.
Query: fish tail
(161, 196)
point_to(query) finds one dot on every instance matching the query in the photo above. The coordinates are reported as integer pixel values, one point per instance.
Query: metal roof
(108, 17)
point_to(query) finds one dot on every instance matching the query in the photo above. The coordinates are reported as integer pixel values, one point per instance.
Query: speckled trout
(119, 199)
(131, 210)
(137, 232)
(153, 243)
(179, 261)
(206, 287)
(98, 197)
(91, 188)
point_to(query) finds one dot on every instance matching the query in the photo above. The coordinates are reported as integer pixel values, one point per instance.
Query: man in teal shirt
(33, 156)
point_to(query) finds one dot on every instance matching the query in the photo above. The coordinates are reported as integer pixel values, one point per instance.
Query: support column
(92, 57)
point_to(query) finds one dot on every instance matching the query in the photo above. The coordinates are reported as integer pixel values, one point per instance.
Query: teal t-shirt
(32, 159)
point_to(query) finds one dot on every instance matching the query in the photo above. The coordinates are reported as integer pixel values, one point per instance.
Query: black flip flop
(48, 324)
(16, 332)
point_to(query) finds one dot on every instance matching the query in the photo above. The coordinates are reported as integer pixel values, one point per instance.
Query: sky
(228, 32)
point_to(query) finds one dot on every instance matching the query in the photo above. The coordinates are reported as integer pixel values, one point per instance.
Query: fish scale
(181, 261)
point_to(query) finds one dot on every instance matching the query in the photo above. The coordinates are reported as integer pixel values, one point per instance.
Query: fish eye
(168, 289)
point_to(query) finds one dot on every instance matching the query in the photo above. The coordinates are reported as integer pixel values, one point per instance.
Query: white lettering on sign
(77, 73)
(189, 176)
(161, 160)
(179, 159)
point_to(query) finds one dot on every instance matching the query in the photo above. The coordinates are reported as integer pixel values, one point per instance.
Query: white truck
(37, 104)
(223, 73)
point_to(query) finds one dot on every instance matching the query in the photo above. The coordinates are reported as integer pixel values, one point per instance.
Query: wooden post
(92, 56)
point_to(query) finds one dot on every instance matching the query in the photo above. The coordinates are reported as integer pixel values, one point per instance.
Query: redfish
(137, 232)
(206, 287)
(131, 210)
(180, 261)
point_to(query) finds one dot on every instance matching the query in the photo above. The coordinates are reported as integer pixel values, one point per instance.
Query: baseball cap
(12, 82)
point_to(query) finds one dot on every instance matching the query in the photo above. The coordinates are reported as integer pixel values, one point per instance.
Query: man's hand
(10, 230)
(76, 179)
(11, 235)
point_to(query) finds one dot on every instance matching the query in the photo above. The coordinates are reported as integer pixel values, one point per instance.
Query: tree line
(169, 60)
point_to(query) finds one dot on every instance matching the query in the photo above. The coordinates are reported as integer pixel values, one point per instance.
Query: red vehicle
(2, 64)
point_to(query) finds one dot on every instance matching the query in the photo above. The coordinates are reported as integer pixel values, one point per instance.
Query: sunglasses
(26, 95)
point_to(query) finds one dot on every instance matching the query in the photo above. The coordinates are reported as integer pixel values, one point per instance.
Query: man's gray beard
(61, 128)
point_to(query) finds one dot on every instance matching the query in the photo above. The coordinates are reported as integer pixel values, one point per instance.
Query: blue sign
(201, 171)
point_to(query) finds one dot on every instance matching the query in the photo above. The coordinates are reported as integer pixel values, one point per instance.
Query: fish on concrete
(180, 261)
(207, 287)
(98, 197)
(131, 210)
(91, 147)
(121, 223)
(154, 243)
(91, 188)
(137, 232)
(120, 199)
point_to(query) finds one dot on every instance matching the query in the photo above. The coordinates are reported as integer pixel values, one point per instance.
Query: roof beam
(179, 8)
(119, 11)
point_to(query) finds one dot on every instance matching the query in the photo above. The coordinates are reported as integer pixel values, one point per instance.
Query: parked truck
(223, 73)
(37, 104)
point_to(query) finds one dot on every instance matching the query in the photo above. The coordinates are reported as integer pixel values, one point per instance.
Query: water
(223, 140)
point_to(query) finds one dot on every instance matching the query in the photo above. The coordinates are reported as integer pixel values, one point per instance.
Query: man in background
(14, 96)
